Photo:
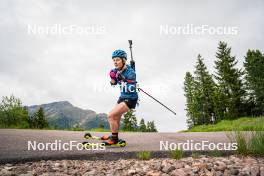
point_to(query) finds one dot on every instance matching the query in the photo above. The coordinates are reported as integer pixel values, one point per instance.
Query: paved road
(15, 143)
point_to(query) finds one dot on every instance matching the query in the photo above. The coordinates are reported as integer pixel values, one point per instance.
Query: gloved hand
(112, 75)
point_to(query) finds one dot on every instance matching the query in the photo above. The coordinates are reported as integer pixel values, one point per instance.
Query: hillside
(241, 124)
(63, 115)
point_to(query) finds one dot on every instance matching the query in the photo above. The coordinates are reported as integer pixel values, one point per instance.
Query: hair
(124, 60)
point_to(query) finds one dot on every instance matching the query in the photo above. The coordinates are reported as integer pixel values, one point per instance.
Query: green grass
(241, 124)
(215, 153)
(176, 154)
(242, 143)
(196, 154)
(144, 155)
(251, 143)
(257, 143)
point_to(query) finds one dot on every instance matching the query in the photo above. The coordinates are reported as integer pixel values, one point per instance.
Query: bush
(12, 113)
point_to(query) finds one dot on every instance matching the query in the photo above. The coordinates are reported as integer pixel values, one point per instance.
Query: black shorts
(130, 103)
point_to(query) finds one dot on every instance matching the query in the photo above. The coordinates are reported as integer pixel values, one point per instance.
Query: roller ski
(105, 140)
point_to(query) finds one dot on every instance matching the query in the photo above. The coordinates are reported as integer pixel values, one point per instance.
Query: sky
(60, 50)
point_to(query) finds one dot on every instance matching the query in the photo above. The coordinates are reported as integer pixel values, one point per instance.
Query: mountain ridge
(63, 115)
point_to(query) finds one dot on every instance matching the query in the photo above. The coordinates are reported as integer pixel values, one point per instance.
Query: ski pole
(130, 47)
(132, 62)
(157, 100)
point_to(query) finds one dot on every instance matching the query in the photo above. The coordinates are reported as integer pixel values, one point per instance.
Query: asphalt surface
(19, 145)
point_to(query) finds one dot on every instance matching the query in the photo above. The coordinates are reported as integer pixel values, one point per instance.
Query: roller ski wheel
(120, 143)
(89, 136)
(104, 141)
(86, 144)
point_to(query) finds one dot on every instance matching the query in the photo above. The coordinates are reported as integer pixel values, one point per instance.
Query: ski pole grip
(130, 42)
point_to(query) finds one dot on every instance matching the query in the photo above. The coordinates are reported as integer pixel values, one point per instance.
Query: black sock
(115, 136)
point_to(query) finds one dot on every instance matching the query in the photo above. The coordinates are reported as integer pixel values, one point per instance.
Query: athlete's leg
(115, 115)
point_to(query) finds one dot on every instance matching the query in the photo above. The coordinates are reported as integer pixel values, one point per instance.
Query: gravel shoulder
(204, 165)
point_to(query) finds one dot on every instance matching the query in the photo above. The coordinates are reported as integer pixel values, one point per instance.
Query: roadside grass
(177, 154)
(241, 124)
(247, 132)
(196, 155)
(144, 155)
(251, 143)
(215, 153)
(257, 143)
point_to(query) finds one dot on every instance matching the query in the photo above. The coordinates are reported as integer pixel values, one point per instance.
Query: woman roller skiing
(123, 75)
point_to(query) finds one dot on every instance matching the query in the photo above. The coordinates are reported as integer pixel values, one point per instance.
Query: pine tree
(254, 66)
(142, 126)
(126, 123)
(189, 89)
(151, 126)
(219, 109)
(148, 126)
(130, 121)
(199, 93)
(39, 120)
(101, 126)
(204, 92)
(230, 86)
